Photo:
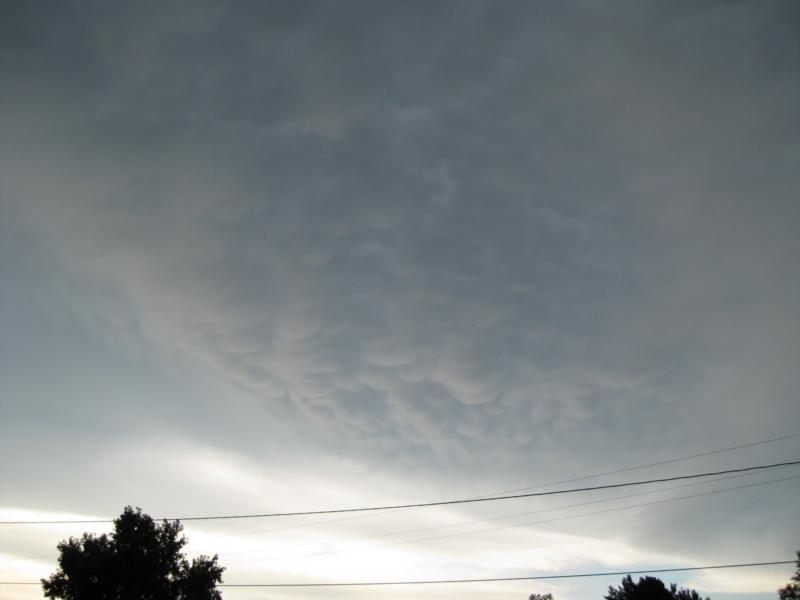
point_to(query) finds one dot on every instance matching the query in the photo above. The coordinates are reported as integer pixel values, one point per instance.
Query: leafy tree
(649, 588)
(792, 590)
(540, 597)
(140, 560)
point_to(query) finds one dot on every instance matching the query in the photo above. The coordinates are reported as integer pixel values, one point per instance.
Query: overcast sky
(263, 256)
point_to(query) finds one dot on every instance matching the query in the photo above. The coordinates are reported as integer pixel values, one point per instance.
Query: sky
(287, 256)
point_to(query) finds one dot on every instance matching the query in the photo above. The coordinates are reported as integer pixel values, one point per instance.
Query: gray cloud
(461, 233)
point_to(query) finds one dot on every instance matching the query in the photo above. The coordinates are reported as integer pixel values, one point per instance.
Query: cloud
(430, 238)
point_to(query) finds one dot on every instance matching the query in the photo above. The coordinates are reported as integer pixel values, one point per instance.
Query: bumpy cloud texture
(443, 227)
(461, 233)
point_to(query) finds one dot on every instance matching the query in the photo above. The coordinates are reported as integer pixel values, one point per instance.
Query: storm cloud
(502, 241)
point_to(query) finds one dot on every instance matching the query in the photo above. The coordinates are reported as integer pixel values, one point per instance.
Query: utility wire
(439, 503)
(542, 485)
(496, 579)
(538, 486)
(476, 521)
(653, 464)
(514, 525)
(499, 518)
(482, 580)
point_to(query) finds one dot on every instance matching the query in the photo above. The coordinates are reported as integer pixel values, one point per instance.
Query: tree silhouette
(649, 588)
(792, 590)
(140, 560)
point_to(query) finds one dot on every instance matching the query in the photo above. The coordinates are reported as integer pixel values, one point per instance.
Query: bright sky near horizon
(286, 256)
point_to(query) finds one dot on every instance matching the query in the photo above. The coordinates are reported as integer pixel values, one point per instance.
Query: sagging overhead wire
(437, 503)
(541, 485)
(501, 517)
(515, 525)
(498, 579)
(480, 580)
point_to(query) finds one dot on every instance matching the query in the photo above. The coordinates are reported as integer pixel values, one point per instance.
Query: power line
(473, 522)
(653, 464)
(481, 580)
(544, 485)
(497, 579)
(438, 503)
(538, 486)
(503, 517)
(498, 518)
(514, 525)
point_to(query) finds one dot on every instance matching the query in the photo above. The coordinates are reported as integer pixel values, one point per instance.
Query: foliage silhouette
(140, 560)
(649, 588)
(792, 590)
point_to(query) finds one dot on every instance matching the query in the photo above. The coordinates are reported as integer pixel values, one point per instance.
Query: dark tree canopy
(792, 590)
(649, 588)
(140, 560)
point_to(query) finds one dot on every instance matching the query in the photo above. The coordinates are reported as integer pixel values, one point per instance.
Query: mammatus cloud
(504, 242)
